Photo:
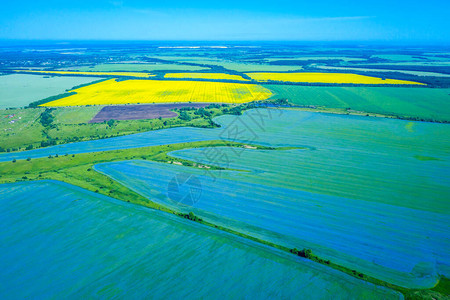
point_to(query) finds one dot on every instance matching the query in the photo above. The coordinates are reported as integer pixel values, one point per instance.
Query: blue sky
(327, 20)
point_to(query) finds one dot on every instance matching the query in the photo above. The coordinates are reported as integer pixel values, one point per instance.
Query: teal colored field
(444, 63)
(403, 58)
(236, 66)
(397, 57)
(383, 169)
(139, 67)
(295, 57)
(19, 90)
(252, 67)
(427, 103)
(417, 73)
(298, 219)
(64, 242)
(361, 194)
(189, 59)
(231, 65)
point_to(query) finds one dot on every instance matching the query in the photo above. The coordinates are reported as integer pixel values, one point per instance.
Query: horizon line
(350, 41)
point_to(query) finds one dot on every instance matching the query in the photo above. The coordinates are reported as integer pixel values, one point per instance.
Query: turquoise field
(138, 67)
(391, 173)
(231, 65)
(379, 167)
(18, 90)
(418, 73)
(64, 242)
(422, 103)
(371, 237)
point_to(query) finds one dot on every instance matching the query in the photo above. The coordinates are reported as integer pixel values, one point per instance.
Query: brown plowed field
(139, 112)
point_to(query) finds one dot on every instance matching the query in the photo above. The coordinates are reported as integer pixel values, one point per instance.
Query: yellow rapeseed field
(205, 76)
(162, 91)
(131, 74)
(325, 78)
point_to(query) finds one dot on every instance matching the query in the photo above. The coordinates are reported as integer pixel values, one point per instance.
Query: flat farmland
(359, 194)
(17, 90)
(424, 103)
(252, 67)
(18, 125)
(232, 65)
(157, 91)
(418, 73)
(129, 252)
(205, 76)
(140, 67)
(339, 78)
(302, 58)
(140, 112)
(354, 160)
(75, 115)
(130, 74)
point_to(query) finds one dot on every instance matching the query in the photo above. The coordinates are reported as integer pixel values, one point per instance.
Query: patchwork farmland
(316, 184)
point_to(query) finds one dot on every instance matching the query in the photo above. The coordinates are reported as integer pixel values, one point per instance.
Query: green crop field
(426, 103)
(22, 128)
(76, 115)
(18, 126)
